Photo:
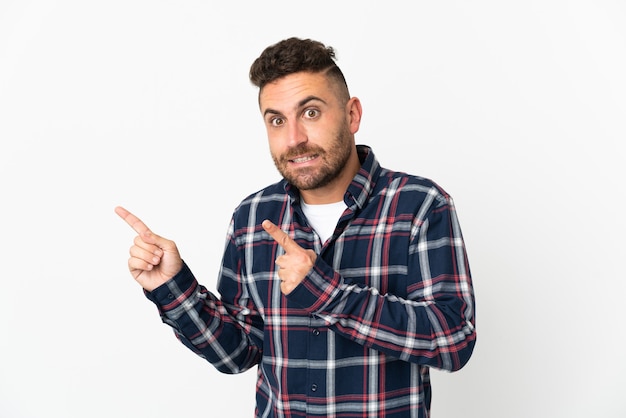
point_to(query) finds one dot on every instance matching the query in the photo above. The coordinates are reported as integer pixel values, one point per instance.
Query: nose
(296, 134)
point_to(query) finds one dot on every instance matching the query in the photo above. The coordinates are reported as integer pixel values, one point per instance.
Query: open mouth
(300, 160)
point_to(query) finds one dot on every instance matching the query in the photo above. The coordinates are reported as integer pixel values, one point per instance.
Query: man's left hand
(295, 263)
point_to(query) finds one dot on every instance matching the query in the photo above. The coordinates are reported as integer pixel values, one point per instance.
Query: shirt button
(316, 331)
(170, 296)
(313, 387)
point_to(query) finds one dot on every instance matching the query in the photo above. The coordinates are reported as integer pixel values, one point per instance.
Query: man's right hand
(153, 259)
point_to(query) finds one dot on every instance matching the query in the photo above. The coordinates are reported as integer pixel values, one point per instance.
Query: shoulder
(412, 186)
(262, 203)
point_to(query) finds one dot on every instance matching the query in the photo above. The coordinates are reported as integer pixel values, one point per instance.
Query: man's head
(309, 116)
(296, 55)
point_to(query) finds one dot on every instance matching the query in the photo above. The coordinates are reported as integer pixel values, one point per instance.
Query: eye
(276, 121)
(311, 113)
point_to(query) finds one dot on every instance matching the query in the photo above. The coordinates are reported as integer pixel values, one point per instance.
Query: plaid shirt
(389, 296)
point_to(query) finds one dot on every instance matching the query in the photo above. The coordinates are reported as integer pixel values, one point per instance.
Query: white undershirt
(323, 218)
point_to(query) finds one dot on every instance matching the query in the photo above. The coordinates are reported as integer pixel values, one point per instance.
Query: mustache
(301, 149)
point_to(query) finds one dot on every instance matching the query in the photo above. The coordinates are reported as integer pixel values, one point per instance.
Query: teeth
(302, 160)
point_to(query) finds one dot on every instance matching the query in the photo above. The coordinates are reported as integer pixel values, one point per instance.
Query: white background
(516, 108)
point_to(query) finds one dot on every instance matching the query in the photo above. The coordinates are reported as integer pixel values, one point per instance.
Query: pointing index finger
(132, 220)
(280, 237)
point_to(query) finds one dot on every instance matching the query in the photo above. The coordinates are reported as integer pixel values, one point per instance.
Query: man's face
(309, 130)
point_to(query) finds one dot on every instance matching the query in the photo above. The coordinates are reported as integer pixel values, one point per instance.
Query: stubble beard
(335, 159)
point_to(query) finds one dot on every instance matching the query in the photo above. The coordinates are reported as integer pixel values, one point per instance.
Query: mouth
(303, 159)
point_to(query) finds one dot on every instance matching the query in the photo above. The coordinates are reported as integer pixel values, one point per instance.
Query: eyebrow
(301, 104)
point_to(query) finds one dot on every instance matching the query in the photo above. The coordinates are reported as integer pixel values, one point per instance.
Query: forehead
(287, 92)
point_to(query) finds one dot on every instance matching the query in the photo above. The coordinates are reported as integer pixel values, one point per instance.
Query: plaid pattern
(389, 296)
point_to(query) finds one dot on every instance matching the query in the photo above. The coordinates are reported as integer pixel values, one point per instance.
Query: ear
(355, 111)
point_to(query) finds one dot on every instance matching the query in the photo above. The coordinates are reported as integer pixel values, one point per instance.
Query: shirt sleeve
(433, 325)
(209, 327)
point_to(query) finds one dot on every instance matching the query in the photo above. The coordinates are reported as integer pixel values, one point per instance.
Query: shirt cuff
(167, 296)
(318, 289)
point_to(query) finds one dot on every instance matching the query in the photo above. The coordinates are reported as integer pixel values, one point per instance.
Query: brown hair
(295, 55)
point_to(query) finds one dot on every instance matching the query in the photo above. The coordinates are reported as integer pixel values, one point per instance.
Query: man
(344, 282)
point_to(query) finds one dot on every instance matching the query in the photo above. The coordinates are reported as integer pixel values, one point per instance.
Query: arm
(212, 329)
(218, 332)
(433, 324)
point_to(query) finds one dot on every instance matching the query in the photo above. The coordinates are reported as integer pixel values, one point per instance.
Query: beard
(334, 160)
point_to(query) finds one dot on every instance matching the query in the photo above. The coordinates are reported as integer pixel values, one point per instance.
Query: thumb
(166, 245)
